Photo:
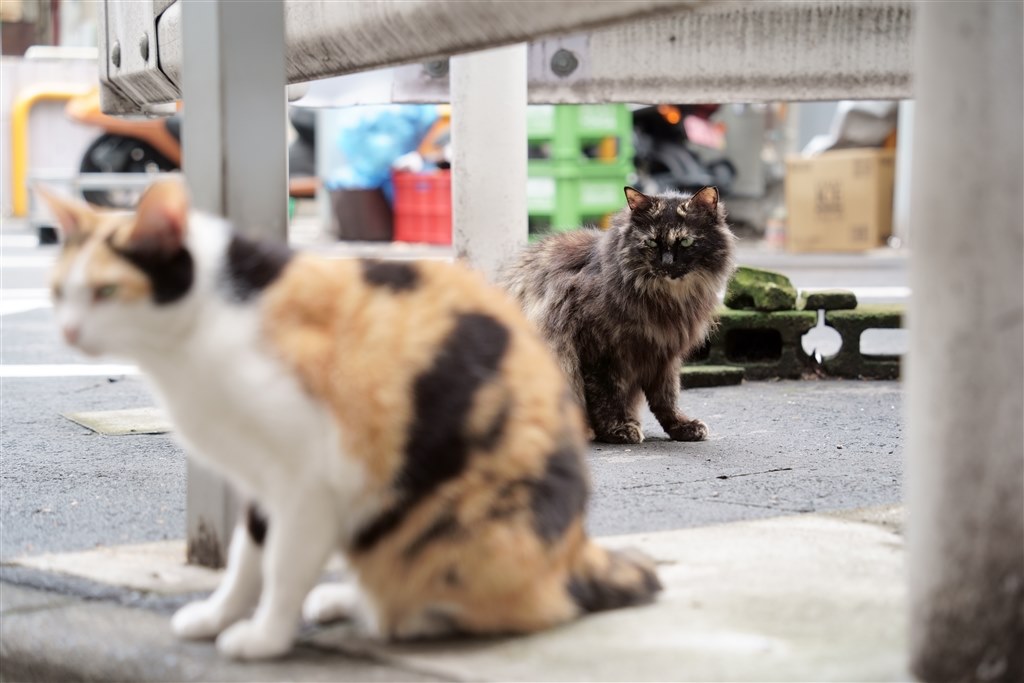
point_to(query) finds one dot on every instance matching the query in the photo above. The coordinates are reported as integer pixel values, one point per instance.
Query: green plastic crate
(575, 125)
(570, 187)
(566, 194)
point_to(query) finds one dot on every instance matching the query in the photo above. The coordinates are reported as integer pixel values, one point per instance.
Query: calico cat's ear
(706, 199)
(636, 199)
(73, 217)
(161, 218)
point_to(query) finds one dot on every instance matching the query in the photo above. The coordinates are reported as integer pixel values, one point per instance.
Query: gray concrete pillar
(236, 165)
(488, 95)
(965, 378)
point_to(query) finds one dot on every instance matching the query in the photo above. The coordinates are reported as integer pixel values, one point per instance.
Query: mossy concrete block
(765, 345)
(761, 290)
(828, 300)
(700, 376)
(850, 325)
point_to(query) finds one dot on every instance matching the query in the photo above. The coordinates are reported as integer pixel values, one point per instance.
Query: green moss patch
(828, 300)
(761, 290)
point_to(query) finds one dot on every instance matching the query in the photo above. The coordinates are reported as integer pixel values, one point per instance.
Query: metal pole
(488, 95)
(965, 378)
(235, 162)
(904, 155)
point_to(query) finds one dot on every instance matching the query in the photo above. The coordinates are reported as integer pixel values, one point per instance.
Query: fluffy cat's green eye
(105, 292)
(651, 243)
(686, 241)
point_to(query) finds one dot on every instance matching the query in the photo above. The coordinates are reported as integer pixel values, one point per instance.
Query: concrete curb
(808, 597)
(46, 636)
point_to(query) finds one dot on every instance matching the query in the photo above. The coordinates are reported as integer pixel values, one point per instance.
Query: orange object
(86, 109)
(671, 113)
(423, 207)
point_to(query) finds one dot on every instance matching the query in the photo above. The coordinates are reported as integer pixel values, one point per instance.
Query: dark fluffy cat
(622, 308)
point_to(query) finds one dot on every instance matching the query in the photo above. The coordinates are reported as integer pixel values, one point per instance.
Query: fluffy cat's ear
(161, 218)
(706, 199)
(73, 217)
(636, 199)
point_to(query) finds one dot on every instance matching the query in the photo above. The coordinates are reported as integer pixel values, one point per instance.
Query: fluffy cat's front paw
(199, 620)
(624, 433)
(694, 430)
(250, 639)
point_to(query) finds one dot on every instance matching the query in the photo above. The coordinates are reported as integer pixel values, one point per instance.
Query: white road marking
(66, 370)
(11, 307)
(34, 261)
(19, 241)
(22, 300)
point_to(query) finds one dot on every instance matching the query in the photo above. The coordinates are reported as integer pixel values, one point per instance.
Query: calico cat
(404, 413)
(623, 308)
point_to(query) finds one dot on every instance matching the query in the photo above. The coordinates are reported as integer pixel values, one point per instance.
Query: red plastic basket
(423, 207)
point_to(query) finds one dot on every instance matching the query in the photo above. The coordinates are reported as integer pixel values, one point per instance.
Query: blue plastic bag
(371, 137)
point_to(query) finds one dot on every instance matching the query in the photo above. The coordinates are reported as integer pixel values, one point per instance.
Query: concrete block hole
(821, 341)
(701, 353)
(753, 346)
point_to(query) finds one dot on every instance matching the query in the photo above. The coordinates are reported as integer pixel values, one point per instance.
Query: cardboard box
(839, 201)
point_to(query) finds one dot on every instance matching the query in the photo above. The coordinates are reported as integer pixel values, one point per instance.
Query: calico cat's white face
(106, 300)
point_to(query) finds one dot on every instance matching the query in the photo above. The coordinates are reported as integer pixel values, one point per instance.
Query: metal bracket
(129, 57)
(564, 60)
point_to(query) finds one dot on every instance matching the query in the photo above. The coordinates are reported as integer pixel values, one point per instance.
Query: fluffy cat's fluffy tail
(609, 579)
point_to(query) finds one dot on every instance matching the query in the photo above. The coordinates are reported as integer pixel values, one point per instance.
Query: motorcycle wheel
(110, 153)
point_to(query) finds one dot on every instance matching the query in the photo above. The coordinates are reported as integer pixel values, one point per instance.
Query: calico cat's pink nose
(71, 333)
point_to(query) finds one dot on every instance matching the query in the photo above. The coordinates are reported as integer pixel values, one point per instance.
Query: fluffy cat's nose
(667, 258)
(71, 333)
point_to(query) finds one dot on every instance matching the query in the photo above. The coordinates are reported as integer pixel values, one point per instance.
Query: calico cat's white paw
(249, 639)
(331, 602)
(199, 620)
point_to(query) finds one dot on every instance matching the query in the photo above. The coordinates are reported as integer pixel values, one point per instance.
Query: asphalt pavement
(776, 447)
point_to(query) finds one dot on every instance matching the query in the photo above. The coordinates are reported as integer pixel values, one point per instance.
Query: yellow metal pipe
(27, 99)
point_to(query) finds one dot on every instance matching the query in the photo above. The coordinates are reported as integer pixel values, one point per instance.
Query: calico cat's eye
(105, 292)
(686, 241)
(651, 243)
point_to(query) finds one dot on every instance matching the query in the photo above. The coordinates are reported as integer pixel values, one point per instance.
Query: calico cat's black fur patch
(256, 523)
(596, 595)
(560, 495)
(394, 275)
(253, 264)
(438, 448)
(170, 275)
(446, 525)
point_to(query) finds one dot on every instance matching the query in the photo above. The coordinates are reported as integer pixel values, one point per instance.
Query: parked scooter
(154, 146)
(667, 159)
